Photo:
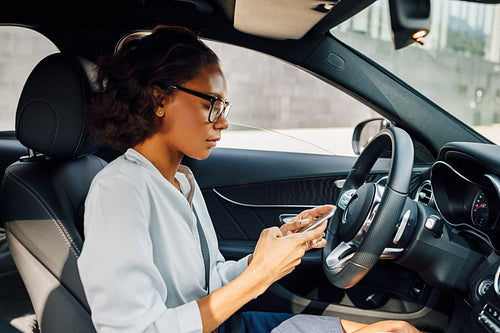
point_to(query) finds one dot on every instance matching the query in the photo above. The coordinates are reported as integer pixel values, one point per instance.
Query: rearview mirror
(365, 131)
(410, 21)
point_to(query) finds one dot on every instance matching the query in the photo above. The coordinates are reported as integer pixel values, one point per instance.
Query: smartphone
(320, 220)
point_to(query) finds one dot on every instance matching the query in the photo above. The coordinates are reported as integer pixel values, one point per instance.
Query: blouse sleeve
(230, 270)
(124, 288)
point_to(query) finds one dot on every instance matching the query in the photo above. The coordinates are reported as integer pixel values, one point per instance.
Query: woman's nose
(221, 123)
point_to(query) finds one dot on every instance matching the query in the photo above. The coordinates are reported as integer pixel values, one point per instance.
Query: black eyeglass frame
(211, 99)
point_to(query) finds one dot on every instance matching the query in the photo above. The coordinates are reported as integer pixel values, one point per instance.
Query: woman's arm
(275, 256)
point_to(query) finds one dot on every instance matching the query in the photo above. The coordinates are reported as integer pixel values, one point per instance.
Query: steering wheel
(368, 213)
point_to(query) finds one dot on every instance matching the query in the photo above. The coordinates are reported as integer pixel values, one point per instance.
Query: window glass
(277, 106)
(21, 49)
(457, 67)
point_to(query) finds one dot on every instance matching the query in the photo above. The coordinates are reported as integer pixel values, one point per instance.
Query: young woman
(148, 234)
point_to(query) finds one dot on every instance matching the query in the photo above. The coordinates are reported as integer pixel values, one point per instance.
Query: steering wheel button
(434, 224)
(430, 223)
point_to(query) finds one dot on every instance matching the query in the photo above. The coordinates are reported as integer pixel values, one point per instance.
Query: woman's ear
(160, 98)
(158, 95)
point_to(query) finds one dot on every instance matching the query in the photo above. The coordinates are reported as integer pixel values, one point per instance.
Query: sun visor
(279, 19)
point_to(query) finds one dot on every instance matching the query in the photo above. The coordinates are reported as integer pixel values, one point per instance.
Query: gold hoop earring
(159, 113)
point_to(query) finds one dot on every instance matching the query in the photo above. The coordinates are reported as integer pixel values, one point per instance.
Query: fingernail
(302, 222)
(314, 242)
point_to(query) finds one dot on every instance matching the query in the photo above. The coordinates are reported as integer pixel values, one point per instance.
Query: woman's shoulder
(120, 171)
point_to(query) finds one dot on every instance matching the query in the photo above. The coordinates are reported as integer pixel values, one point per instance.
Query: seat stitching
(62, 230)
(56, 132)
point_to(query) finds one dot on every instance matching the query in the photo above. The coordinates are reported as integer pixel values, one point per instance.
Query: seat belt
(204, 250)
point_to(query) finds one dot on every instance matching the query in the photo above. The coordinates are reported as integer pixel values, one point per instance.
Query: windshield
(457, 67)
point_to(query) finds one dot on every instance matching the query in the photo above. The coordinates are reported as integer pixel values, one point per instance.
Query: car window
(21, 49)
(277, 106)
(458, 65)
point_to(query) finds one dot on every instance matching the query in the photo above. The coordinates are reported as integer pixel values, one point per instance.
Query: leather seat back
(43, 194)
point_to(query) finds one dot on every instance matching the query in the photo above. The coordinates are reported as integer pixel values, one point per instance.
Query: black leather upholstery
(43, 196)
(57, 84)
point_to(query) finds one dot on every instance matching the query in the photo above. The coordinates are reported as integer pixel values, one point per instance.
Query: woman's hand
(305, 218)
(276, 255)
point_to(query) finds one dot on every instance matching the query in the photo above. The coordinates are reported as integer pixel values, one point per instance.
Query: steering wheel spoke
(340, 255)
(345, 198)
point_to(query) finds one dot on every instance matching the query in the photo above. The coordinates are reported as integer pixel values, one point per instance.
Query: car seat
(43, 194)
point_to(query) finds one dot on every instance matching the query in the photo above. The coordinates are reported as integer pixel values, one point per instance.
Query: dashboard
(466, 188)
(465, 183)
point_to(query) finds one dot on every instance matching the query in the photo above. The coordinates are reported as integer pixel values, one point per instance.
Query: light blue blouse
(141, 264)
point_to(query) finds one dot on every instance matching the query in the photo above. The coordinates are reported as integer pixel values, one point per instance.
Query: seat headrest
(51, 114)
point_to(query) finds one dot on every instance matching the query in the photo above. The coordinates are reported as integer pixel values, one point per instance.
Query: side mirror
(410, 21)
(365, 131)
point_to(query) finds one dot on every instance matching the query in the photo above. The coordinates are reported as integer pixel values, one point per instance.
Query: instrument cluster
(467, 199)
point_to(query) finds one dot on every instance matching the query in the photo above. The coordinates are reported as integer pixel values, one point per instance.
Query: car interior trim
(497, 281)
(494, 181)
(259, 206)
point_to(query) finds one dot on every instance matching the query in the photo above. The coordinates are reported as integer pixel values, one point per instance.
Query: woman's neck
(166, 161)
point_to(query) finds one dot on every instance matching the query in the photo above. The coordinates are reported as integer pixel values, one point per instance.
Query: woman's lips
(213, 142)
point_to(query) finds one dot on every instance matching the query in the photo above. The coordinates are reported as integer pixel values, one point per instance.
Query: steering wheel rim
(382, 224)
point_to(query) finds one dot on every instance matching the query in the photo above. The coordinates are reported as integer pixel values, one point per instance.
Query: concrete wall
(268, 93)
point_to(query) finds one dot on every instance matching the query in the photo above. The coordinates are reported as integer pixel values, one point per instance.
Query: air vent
(424, 193)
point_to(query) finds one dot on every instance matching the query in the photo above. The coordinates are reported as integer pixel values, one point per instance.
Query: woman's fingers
(314, 233)
(305, 218)
(312, 213)
(316, 244)
(312, 238)
(274, 232)
(294, 226)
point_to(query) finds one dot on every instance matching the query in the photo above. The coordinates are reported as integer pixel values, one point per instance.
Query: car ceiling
(277, 19)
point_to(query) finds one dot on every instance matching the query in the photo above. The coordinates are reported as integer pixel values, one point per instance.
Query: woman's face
(185, 126)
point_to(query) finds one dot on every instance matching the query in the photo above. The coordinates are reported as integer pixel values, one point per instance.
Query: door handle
(285, 218)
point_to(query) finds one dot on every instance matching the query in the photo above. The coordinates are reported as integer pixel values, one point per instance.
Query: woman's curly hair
(122, 112)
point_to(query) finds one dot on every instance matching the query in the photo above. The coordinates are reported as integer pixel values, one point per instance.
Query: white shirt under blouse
(141, 264)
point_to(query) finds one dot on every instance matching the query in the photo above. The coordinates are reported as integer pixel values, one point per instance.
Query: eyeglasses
(218, 106)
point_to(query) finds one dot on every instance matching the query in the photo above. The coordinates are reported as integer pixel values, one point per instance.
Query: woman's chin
(200, 155)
